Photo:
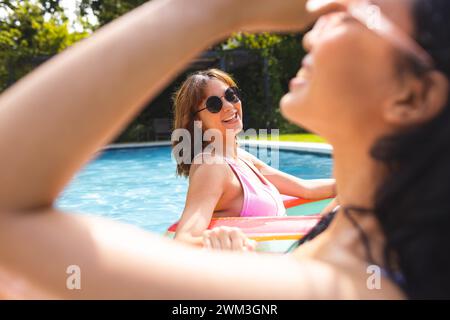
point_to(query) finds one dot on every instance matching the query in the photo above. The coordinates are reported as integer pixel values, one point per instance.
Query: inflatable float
(274, 234)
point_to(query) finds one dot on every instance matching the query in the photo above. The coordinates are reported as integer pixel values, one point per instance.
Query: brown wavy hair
(185, 103)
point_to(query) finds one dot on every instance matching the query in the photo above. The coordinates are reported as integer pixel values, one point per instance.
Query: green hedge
(279, 60)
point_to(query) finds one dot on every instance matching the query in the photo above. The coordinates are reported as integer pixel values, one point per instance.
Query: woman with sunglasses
(377, 91)
(227, 181)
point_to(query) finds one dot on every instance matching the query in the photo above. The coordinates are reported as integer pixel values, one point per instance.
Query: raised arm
(293, 186)
(53, 120)
(206, 186)
(122, 262)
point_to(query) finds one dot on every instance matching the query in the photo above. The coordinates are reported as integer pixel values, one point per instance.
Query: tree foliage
(265, 81)
(108, 10)
(30, 32)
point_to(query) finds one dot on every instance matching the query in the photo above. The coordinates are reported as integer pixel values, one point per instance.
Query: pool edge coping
(314, 147)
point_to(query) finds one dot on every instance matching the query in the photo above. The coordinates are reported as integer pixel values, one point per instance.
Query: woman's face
(347, 76)
(228, 118)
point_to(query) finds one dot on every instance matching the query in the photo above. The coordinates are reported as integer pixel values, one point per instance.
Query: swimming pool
(139, 185)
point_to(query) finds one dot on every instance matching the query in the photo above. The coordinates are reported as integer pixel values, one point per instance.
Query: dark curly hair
(412, 204)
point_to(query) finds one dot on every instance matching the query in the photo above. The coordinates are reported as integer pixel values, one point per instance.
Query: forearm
(188, 238)
(122, 262)
(319, 188)
(58, 116)
(308, 189)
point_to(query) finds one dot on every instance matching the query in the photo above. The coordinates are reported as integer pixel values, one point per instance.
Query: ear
(418, 100)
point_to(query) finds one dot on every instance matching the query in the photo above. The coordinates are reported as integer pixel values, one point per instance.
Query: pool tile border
(322, 148)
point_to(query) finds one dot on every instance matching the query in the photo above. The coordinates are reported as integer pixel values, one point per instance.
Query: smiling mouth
(231, 118)
(303, 73)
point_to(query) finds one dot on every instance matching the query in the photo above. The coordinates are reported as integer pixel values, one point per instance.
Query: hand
(227, 238)
(276, 15)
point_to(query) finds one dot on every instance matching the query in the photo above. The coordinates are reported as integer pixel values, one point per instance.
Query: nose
(311, 37)
(307, 41)
(227, 106)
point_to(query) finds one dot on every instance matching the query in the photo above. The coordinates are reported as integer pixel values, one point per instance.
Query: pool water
(139, 185)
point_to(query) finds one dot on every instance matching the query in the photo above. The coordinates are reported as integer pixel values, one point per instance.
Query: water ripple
(139, 186)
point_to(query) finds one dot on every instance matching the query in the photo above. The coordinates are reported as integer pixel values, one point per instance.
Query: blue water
(139, 186)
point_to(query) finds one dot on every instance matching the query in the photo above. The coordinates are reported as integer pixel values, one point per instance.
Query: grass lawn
(301, 137)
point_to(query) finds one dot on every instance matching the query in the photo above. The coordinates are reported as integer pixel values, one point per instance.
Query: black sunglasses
(214, 103)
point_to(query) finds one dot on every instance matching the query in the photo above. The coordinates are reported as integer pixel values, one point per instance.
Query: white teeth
(302, 73)
(231, 118)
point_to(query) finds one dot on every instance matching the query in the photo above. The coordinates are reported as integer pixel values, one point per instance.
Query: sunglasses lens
(214, 104)
(232, 95)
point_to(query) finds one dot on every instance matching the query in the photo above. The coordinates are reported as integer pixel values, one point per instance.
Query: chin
(299, 112)
(238, 127)
(289, 107)
(234, 130)
(237, 130)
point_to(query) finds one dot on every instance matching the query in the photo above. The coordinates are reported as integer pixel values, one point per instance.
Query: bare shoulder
(245, 154)
(209, 167)
(367, 284)
(350, 277)
(335, 282)
(288, 278)
(250, 158)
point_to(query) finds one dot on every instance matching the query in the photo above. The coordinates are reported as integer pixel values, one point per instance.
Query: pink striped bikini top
(260, 199)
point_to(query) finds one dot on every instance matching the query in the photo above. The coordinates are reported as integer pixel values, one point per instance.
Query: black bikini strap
(365, 240)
